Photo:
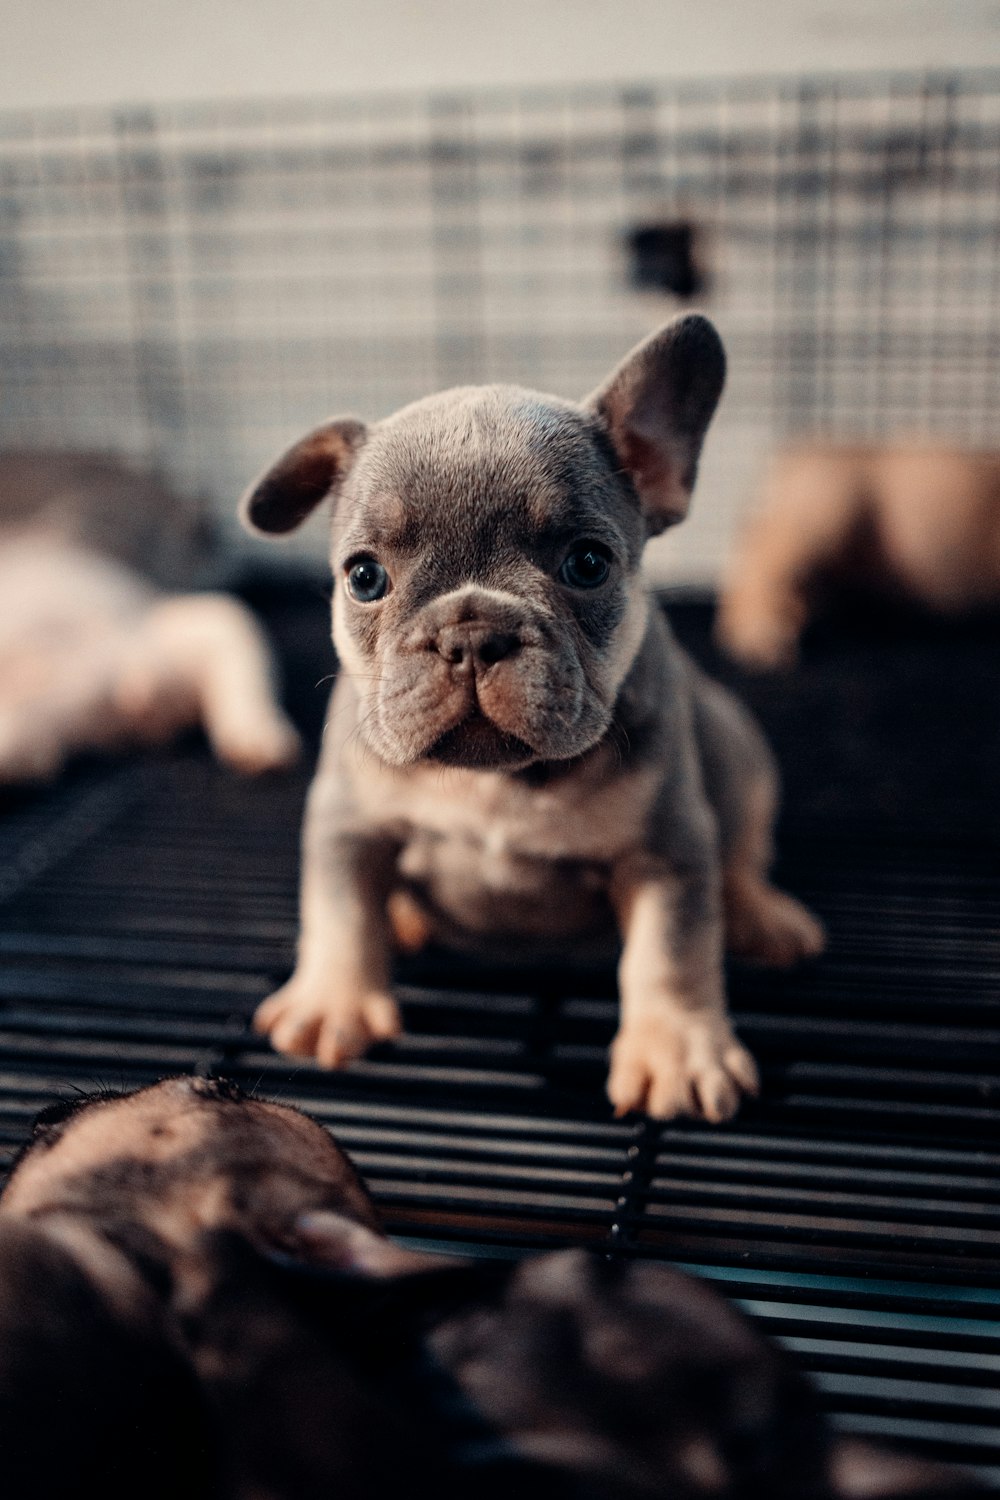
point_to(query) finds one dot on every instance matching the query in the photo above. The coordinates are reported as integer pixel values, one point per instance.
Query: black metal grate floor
(146, 908)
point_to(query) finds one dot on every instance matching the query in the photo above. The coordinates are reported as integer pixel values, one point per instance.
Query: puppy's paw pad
(668, 1069)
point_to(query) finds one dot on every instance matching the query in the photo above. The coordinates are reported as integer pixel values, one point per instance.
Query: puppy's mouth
(478, 744)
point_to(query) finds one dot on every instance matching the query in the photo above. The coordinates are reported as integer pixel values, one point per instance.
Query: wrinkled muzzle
(484, 680)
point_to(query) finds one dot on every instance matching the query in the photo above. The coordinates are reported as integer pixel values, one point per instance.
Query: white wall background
(108, 51)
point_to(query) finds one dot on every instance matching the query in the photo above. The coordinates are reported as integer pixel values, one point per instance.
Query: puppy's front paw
(669, 1065)
(306, 1021)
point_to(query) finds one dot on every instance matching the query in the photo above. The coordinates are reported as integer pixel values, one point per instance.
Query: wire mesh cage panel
(195, 286)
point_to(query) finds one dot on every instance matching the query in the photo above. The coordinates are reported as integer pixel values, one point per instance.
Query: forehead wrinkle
(473, 439)
(462, 471)
(380, 520)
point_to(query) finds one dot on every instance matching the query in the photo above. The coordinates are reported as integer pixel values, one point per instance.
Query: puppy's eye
(367, 580)
(587, 566)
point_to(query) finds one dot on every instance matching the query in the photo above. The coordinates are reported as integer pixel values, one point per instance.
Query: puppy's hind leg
(409, 924)
(207, 651)
(762, 922)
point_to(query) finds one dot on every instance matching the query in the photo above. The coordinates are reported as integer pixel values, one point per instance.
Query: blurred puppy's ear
(339, 1244)
(314, 467)
(655, 408)
(357, 1283)
(865, 1471)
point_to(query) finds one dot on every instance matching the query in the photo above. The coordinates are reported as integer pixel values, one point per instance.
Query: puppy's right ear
(313, 468)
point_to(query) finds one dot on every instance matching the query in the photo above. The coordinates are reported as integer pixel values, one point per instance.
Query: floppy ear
(313, 468)
(328, 1239)
(655, 408)
(355, 1278)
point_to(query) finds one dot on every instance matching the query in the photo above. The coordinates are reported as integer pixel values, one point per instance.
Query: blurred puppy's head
(184, 1157)
(486, 549)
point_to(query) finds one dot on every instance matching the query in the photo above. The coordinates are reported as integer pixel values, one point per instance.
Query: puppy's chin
(477, 744)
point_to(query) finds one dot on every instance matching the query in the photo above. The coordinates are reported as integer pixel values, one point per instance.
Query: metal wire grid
(197, 285)
(855, 1209)
(855, 1212)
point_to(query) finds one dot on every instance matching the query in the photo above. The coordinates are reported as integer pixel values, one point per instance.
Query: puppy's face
(486, 550)
(486, 601)
(182, 1157)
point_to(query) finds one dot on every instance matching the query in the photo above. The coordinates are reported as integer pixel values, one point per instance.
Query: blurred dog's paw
(28, 752)
(257, 744)
(760, 641)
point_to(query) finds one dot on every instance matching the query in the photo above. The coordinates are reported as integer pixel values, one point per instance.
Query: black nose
(475, 646)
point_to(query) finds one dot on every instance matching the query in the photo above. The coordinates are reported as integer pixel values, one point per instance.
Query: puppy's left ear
(656, 407)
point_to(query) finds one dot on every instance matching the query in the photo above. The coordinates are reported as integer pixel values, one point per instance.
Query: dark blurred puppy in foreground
(97, 651)
(917, 522)
(200, 1279)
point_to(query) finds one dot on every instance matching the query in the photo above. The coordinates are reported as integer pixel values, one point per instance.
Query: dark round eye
(587, 566)
(367, 580)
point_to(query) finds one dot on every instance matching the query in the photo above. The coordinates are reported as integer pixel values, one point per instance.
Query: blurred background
(218, 225)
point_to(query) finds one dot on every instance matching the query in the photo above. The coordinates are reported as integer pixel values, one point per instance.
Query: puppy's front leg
(675, 1051)
(338, 1001)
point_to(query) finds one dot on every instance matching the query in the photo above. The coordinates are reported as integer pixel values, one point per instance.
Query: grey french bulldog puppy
(518, 752)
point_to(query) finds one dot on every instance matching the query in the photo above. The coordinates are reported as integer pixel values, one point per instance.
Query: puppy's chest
(501, 823)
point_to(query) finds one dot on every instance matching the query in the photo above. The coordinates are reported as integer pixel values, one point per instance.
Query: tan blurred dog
(919, 521)
(94, 654)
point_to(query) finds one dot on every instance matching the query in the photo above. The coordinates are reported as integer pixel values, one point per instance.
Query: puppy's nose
(475, 646)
